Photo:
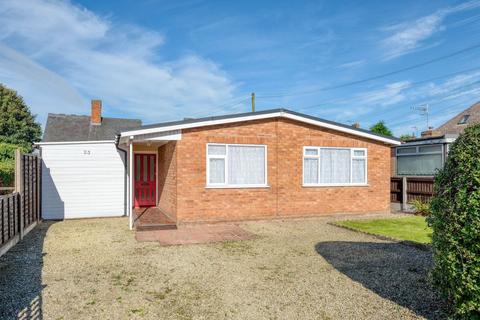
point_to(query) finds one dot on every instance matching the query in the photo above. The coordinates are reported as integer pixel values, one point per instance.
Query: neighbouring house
(258, 165)
(425, 155)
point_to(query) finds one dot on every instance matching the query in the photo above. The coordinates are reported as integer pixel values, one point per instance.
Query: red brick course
(285, 195)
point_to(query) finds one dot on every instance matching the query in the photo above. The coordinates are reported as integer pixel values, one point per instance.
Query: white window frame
(418, 153)
(226, 184)
(352, 156)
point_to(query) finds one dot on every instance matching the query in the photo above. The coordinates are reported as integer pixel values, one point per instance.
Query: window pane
(419, 165)
(310, 171)
(311, 152)
(246, 165)
(334, 166)
(137, 168)
(217, 150)
(406, 150)
(217, 171)
(426, 149)
(359, 153)
(152, 168)
(358, 171)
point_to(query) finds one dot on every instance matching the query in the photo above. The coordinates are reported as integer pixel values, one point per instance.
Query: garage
(83, 171)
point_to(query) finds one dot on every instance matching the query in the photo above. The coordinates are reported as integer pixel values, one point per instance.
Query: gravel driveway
(294, 269)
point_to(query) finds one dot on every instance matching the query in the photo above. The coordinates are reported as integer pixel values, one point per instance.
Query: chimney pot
(96, 117)
(356, 125)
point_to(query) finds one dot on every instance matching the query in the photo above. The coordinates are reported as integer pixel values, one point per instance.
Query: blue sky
(165, 60)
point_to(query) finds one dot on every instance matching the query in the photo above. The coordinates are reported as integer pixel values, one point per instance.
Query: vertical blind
(325, 166)
(236, 165)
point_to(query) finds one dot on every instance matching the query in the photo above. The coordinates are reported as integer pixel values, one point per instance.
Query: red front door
(145, 180)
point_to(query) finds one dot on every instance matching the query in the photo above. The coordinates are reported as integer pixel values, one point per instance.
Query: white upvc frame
(209, 185)
(352, 157)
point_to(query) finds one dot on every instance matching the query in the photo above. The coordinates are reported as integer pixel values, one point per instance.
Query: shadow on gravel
(392, 270)
(21, 277)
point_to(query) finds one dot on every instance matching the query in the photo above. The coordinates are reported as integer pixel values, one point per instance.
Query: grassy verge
(412, 228)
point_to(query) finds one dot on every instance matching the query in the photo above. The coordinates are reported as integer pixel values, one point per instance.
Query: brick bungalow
(260, 165)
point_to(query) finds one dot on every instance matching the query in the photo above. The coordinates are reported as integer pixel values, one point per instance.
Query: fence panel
(21, 210)
(9, 214)
(419, 189)
(396, 190)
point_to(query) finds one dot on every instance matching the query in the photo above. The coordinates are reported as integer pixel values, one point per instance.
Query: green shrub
(7, 163)
(421, 208)
(455, 220)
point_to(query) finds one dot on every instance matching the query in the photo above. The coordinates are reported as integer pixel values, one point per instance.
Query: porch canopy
(141, 143)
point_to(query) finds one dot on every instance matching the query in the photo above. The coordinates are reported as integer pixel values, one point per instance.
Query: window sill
(335, 185)
(238, 187)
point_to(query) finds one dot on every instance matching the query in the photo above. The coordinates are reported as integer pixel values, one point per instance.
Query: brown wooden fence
(20, 211)
(404, 190)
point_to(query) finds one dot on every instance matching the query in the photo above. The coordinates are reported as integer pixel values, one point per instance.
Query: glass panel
(406, 150)
(246, 165)
(137, 168)
(145, 175)
(358, 171)
(334, 166)
(217, 150)
(426, 149)
(311, 152)
(359, 153)
(152, 168)
(310, 171)
(419, 165)
(217, 171)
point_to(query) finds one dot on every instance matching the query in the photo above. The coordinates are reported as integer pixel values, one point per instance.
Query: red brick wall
(285, 195)
(167, 182)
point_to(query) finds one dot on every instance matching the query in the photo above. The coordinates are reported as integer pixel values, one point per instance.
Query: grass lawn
(412, 228)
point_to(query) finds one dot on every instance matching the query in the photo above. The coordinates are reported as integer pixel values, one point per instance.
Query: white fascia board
(73, 142)
(200, 124)
(259, 117)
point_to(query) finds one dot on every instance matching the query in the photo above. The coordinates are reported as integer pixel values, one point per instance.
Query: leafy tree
(18, 129)
(381, 128)
(405, 137)
(455, 219)
(17, 124)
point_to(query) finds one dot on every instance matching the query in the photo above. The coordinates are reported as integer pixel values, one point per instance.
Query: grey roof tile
(62, 127)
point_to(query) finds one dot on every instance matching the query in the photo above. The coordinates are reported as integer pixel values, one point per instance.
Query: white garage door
(82, 181)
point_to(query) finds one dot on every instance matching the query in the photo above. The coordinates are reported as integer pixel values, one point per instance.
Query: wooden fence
(20, 211)
(404, 190)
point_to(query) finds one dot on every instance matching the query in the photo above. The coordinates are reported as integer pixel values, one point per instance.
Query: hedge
(7, 163)
(455, 219)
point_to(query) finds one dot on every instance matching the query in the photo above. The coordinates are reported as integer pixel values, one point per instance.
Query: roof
(453, 126)
(65, 128)
(207, 121)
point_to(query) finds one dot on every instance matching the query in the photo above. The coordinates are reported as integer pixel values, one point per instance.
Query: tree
(455, 219)
(17, 124)
(381, 128)
(18, 129)
(405, 137)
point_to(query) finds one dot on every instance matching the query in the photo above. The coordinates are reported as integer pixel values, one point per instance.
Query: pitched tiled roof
(62, 128)
(453, 126)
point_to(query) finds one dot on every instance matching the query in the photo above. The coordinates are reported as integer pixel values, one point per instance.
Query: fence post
(404, 194)
(19, 189)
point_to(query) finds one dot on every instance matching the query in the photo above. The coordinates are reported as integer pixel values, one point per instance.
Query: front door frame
(156, 175)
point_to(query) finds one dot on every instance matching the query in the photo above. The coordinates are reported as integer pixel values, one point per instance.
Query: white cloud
(352, 64)
(411, 36)
(95, 58)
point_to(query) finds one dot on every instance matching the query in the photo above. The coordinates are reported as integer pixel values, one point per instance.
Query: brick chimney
(96, 117)
(431, 133)
(356, 125)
